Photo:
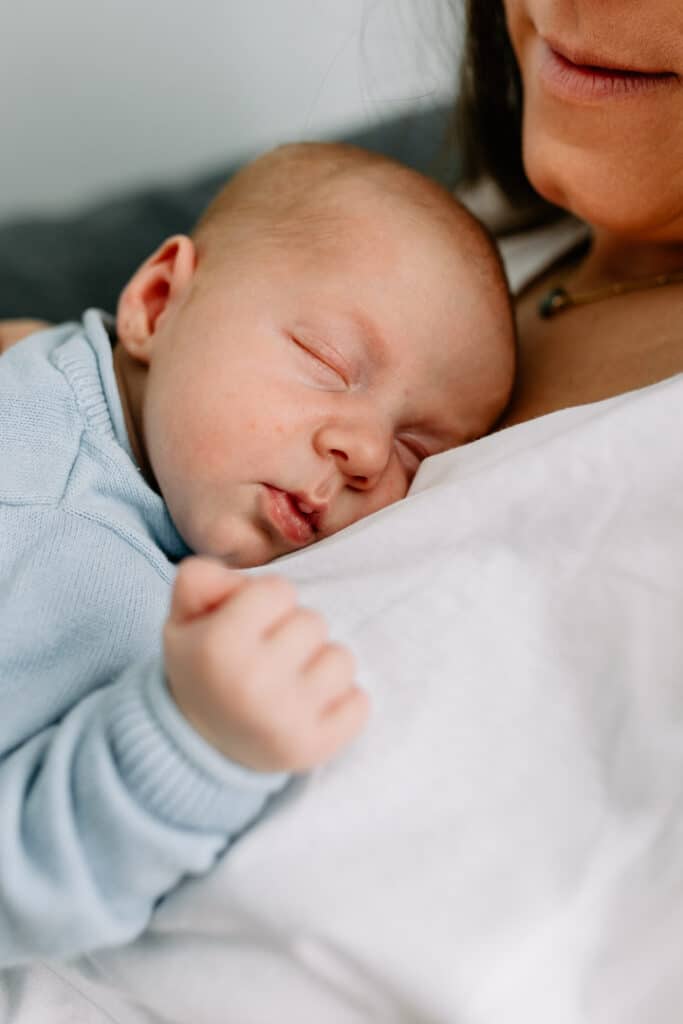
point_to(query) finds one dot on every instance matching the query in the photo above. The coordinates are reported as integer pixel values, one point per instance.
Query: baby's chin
(235, 558)
(231, 539)
(249, 555)
(252, 559)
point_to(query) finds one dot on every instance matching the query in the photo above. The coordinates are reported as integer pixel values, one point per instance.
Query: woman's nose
(360, 452)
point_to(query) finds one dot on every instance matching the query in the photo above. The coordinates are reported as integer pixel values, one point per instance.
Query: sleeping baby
(334, 319)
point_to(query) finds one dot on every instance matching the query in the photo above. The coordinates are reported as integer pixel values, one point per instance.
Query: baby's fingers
(259, 606)
(340, 723)
(295, 640)
(329, 677)
(201, 584)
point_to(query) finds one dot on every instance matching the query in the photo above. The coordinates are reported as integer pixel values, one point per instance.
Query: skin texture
(249, 668)
(12, 331)
(323, 366)
(308, 354)
(617, 163)
(254, 672)
(326, 372)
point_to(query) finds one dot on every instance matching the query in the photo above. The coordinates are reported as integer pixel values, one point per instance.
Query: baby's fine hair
(298, 195)
(299, 186)
(310, 196)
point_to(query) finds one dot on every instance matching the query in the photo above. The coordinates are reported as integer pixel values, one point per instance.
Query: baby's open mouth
(297, 520)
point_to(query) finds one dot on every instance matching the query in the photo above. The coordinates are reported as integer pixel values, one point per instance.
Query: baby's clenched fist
(255, 673)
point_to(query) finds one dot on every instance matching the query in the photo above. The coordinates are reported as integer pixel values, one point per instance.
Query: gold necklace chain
(558, 299)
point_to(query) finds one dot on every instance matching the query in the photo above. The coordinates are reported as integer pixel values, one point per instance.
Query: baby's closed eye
(323, 362)
(411, 452)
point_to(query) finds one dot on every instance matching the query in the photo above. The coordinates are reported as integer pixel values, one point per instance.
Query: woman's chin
(609, 194)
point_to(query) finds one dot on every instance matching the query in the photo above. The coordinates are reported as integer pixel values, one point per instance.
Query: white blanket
(504, 844)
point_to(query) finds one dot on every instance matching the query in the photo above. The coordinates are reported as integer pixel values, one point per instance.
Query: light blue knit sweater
(107, 796)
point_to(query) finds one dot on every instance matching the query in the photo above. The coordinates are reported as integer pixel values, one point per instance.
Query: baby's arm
(12, 331)
(254, 672)
(106, 807)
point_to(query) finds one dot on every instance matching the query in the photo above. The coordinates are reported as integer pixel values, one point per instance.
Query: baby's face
(294, 391)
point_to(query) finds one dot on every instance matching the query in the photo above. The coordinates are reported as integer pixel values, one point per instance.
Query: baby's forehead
(386, 230)
(418, 214)
(359, 223)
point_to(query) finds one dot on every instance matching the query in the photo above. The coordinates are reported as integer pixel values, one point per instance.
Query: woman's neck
(611, 258)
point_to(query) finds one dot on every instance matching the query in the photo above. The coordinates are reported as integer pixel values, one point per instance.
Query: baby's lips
(313, 510)
(283, 510)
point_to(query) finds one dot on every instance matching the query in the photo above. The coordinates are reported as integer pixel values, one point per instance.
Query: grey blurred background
(99, 96)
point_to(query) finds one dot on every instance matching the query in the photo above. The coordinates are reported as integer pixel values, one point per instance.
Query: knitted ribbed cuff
(170, 768)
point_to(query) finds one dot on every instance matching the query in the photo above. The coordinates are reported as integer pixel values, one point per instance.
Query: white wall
(98, 95)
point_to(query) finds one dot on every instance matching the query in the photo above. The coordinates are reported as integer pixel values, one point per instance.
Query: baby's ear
(161, 279)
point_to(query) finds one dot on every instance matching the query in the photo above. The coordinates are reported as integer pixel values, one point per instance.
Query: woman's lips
(591, 83)
(284, 514)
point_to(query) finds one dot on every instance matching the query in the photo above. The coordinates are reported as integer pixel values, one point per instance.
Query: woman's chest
(589, 353)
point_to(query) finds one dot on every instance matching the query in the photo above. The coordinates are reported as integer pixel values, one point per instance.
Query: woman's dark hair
(488, 116)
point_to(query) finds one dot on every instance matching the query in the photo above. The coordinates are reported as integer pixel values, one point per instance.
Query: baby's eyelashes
(324, 364)
(411, 453)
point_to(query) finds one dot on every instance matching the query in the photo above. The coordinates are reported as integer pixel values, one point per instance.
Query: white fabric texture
(504, 844)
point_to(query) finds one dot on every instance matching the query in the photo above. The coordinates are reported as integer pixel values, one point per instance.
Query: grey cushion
(54, 267)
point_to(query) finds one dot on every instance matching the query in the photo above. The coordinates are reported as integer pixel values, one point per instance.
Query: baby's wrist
(227, 738)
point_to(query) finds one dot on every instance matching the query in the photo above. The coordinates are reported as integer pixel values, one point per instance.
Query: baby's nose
(361, 453)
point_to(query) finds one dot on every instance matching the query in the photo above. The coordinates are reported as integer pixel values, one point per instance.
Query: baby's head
(334, 319)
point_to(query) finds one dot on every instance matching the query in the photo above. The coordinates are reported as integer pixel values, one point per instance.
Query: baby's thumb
(201, 584)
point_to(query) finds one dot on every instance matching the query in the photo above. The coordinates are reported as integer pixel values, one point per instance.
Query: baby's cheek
(392, 487)
(354, 505)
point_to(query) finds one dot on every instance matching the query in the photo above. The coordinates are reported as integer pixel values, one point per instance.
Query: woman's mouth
(579, 81)
(289, 515)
